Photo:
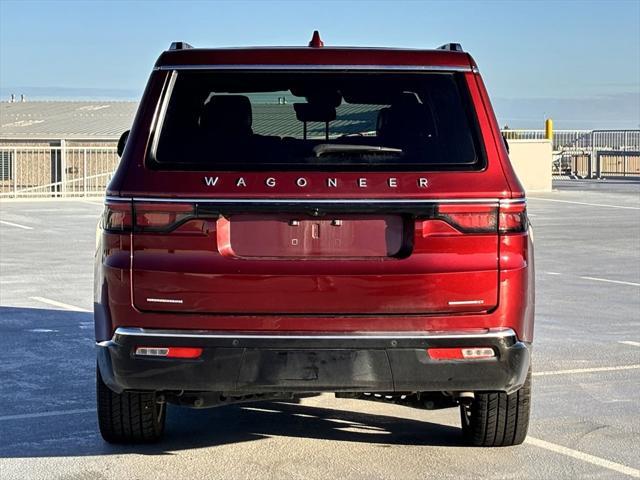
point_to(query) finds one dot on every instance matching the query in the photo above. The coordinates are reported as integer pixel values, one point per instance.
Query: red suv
(293, 220)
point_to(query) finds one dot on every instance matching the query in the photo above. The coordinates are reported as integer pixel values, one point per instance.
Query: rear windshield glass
(316, 121)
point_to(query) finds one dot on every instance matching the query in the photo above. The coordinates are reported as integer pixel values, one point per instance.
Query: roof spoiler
(452, 47)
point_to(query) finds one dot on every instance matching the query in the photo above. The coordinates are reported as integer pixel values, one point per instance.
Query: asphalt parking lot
(586, 414)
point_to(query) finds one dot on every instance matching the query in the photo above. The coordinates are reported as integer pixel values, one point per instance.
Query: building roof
(107, 120)
(65, 120)
(280, 120)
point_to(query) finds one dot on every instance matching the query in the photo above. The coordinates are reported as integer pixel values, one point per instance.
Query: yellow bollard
(548, 129)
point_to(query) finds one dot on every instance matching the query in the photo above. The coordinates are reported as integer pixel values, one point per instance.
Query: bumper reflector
(469, 353)
(169, 352)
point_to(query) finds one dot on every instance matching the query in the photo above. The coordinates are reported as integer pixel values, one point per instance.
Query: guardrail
(589, 153)
(77, 171)
(45, 171)
(561, 138)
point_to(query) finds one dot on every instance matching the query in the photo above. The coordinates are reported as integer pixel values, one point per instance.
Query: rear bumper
(305, 362)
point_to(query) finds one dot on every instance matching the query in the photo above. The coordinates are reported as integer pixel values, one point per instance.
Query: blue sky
(572, 58)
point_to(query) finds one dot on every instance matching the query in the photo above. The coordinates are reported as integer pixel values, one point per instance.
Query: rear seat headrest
(227, 115)
(406, 118)
(382, 122)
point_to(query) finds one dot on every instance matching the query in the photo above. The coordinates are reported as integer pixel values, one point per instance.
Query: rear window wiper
(331, 148)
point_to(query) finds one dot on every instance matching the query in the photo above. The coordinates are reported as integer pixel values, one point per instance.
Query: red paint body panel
(236, 283)
(318, 57)
(189, 266)
(514, 311)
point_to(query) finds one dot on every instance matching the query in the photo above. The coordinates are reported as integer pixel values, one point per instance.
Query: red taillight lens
(509, 218)
(470, 218)
(117, 216)
(169, 352)
(466, 353)
(152, 217)
(161, 216)
(513, 218)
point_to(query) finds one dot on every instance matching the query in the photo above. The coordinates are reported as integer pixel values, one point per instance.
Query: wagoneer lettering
(211, 181)
(315, 219)
(330, 182)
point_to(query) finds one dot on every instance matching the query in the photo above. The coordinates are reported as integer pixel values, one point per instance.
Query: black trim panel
(258, 363)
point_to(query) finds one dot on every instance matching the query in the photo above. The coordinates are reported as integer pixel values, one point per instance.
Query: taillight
(470, 218)
(161, 216)
(169, 352)
(513, 217)
(467, 353)
(117, 216)
(145, 217)
(478, 218)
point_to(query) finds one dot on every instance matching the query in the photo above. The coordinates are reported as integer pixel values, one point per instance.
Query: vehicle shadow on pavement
(47, 395)
(276, 419)
(77, 434)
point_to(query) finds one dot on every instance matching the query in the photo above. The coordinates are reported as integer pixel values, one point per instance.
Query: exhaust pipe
(465, 398)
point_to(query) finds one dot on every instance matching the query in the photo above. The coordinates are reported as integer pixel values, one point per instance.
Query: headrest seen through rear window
(406, 118)
(314, 112)
(227, 114)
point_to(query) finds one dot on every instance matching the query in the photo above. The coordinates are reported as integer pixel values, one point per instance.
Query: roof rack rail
(179, 46)
(452, 47)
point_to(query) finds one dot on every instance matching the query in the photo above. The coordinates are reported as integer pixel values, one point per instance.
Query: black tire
(496, 419)
(129, 417)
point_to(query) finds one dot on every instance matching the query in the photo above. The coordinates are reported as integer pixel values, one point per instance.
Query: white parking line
(257, 409)
(586, 370)
(619, 282)
(46, 414)
(11, 224)
(597, 279)
(584, 203)
(629, 342)
(55, 303)
(585, 457)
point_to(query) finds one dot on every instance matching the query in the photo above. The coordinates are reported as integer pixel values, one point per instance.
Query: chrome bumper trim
(308, 201)
(440, 335)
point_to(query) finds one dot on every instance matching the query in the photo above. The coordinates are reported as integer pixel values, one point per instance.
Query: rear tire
(128, 417)
(496, 419)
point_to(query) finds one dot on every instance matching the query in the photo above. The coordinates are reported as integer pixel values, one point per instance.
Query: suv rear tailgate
(343, 259)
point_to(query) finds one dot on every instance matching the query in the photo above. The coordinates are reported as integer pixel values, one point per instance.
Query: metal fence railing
(619, 140)
(589, 153)
(561, 138)
(45, 171)
(67, 171)
(510, 134)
